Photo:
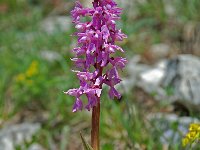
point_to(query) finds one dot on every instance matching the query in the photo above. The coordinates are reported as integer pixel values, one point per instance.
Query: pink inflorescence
(94, 53)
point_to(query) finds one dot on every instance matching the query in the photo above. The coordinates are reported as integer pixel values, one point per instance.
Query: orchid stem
(95, 126)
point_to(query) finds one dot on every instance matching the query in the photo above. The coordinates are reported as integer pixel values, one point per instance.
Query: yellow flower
(33, 69)
(20, 77)
(194, 127)
(185, 141)
(192, 135)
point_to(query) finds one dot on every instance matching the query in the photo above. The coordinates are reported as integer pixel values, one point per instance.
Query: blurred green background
(35, 69)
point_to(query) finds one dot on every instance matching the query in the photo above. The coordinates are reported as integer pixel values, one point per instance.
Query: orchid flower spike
(94, 52)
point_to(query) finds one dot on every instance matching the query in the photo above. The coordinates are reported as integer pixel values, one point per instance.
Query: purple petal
(119, 62)
(114, 93)
(73, 92)
(113, 73)
(99, 81)
(85, 75)
(105, 32)
(98, 92)
(78, 105)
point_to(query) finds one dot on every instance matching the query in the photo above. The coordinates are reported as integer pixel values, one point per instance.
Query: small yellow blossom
(185, 141)
(20, 77)
(30, 72)
(33, 69)
(194, 127)
(192, 135)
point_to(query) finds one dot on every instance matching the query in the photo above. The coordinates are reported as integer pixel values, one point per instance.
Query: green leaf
(85, 144)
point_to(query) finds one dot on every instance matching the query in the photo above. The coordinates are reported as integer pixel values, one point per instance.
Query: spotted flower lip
(95, 44)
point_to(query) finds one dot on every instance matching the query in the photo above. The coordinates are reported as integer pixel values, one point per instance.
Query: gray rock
(173, 80)
(169, 8)
(182, 74)
(134, 70)
(16, 135)
(159, 51)
(150, 80)
(35, 147)
(171, 127)
(154, 75)
(50, 56)
(56, 23)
